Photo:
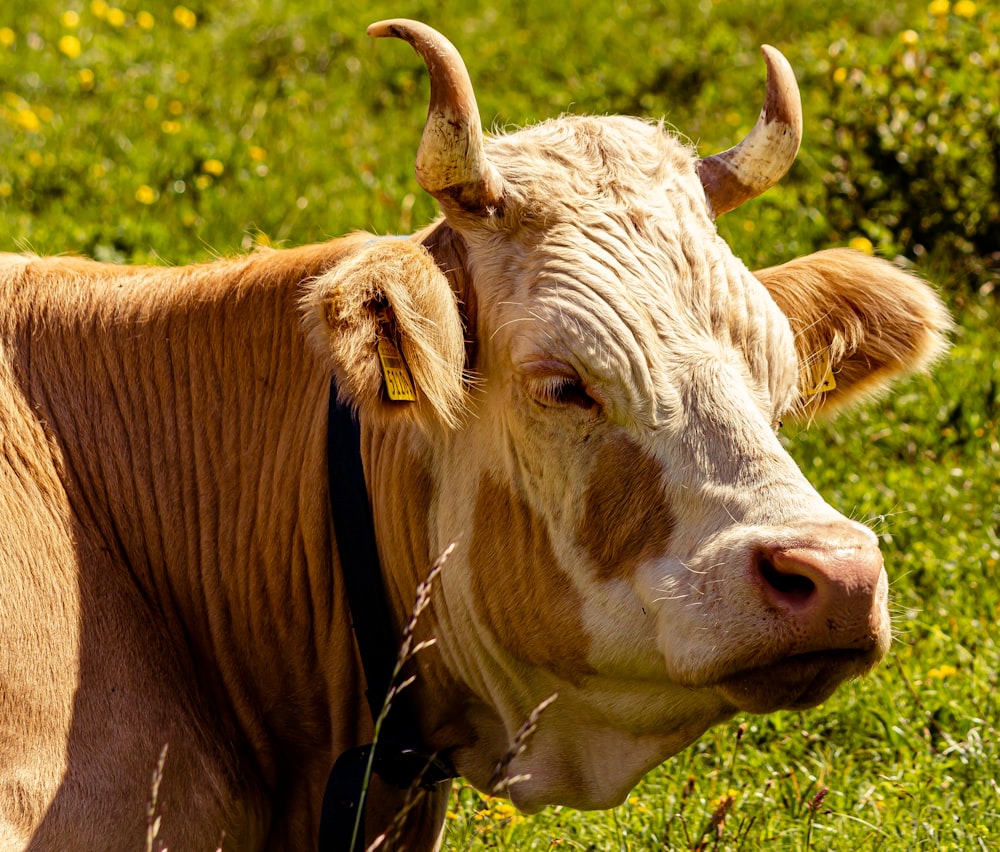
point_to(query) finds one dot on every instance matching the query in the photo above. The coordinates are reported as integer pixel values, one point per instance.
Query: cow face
(632, 534)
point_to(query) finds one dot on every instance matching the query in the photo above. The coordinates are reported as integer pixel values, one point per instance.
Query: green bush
(915, 139)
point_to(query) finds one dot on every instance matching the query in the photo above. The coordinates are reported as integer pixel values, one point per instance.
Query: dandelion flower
(965, 8)
(70, 19)
(840, 75)
(69, 45)
(99, 8)
(938, 8)
(27, 120)
(116, 17)
(6, 190)
(185, 17)
(862, 244)
(7, 36)
(145, 194)
(213, 167)
(145, 20)
(86, 78)
(909, 37)
(941, 672)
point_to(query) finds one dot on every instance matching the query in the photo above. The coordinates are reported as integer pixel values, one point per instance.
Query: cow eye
(560, 390)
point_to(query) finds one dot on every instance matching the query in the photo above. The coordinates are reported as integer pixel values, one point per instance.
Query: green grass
(174, 136)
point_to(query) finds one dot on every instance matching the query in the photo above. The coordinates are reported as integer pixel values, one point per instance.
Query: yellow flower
(185, 17)
(939, 8)
(175, 107)
(99, 8)
(70, 19)
(503, 810)
(171, 127)
(151, 102)
(116, 17)
(213, 167)
(27, 120)
(965, 8)
(70, 46)
(840, 75)
(145, 194)
(203, 181)
(257, 154)
(86, 78)
(909, 37)
(34, 158)
(145, 20)
(941, 672)
(862, 244)
(6, 190)
(7, 36)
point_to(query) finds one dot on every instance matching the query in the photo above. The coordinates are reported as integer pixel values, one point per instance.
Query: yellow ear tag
(398, 383)
(827, 383)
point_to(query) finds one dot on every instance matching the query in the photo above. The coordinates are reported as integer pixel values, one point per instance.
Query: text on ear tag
(398, 383)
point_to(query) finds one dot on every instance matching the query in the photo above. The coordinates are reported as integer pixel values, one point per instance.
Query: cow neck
(398, 756)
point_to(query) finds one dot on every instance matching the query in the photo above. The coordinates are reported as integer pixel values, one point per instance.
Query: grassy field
(152, 131)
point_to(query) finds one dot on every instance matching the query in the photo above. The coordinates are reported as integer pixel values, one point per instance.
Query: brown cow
(598, 382)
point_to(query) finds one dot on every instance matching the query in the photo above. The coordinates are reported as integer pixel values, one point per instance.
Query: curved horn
(451, 162)
(767, 152)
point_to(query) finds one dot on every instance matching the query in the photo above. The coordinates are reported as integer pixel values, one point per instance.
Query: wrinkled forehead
(608, 257)
(576, 161)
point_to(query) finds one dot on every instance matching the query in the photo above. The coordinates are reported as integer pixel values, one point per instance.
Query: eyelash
(563, 390)
(560, 390)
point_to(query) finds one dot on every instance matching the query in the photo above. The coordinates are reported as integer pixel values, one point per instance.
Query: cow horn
(767, 152)
(451, 162)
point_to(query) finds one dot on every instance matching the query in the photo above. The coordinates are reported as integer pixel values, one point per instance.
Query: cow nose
(828, 586)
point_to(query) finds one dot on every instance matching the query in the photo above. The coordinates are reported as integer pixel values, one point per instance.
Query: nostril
(790, 584)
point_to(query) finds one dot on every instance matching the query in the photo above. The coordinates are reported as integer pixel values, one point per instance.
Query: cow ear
(389, 323)
(859, 324)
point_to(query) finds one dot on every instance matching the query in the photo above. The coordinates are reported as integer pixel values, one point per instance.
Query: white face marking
(633, 370)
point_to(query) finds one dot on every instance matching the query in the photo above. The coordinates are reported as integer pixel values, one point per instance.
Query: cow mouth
(794, 683)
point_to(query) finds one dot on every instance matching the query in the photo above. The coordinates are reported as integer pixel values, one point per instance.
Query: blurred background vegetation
(149, 128)
(167, 132)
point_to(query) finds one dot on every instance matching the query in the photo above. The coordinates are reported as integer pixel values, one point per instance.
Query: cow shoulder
(859, 323)
(388, 320)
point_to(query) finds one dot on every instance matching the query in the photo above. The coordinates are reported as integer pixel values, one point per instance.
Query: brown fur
(626, 517)
(166, 569)
(511, 551)
(870, 320)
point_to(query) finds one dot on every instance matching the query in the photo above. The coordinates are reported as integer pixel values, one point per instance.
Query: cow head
(632, 534)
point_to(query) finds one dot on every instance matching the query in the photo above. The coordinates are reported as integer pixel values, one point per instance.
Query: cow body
(598, 385)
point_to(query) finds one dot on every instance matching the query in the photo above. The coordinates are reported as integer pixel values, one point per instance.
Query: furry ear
(859, 323)
(389, 300)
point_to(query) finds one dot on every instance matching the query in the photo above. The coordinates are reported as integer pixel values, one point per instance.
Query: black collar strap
(400, 759)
